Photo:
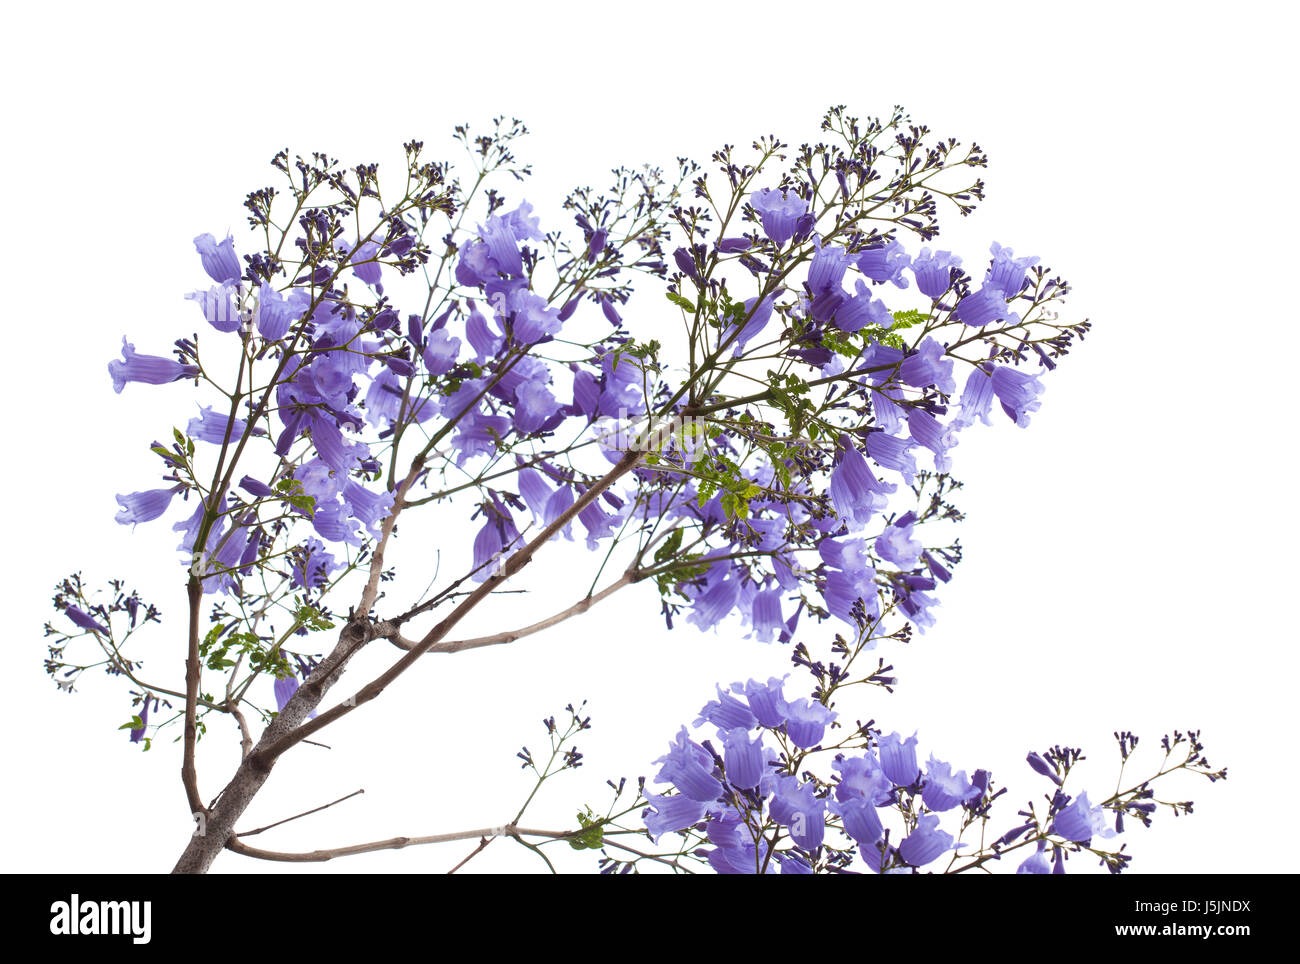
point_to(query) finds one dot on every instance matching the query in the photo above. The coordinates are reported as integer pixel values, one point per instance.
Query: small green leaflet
(683, 303)
(312, 618)
(906, 319)
(291, 491)
(593, 833)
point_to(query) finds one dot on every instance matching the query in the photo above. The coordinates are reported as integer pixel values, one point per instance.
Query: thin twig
(305, 813)
(581, 606)
(245, 737)
(482, 845)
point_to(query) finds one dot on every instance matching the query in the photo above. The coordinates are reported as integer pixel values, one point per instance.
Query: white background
(1127, 555)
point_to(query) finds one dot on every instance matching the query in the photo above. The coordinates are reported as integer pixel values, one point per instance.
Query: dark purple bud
(1012, 835)
(415, 329)
(400, 366)
(567, 311)
(940, 573)
(1039, 765)
(610, 311)
(86, 622)
(400, 246)
(687, 264)
(254, 487)
(386, 320)
(906, 519)
(733, 245)
(285, 440)
(597, 244)
(804, 227)
(441, 320)
(717, 760)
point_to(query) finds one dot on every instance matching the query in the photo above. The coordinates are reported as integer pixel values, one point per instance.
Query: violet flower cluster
(747, 801)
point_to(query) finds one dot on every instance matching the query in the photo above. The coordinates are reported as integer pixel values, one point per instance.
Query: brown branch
(581, 606)
(189, 772)
(394, 843)
(371, 591)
